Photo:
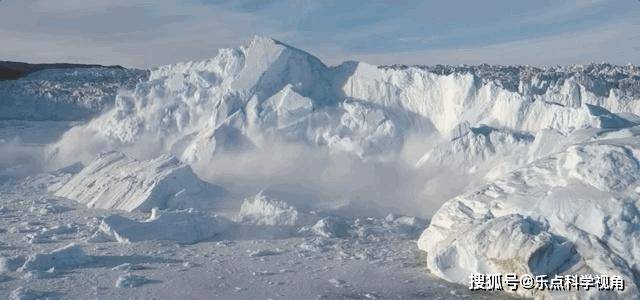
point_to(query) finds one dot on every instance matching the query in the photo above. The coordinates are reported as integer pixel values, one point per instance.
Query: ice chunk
(50, 234)
(39, 274)
(69, 256)
(128, 267)
(265, 252)
(264, 209)
(22, 293)
(131, 281)
(183, 226)
(331, 227)
(116, 181)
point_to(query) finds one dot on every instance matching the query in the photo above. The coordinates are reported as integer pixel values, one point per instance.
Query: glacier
(269, 90)
(70, 94)
(520, 169)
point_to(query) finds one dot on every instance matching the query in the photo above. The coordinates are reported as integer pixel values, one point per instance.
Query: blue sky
(145, 33)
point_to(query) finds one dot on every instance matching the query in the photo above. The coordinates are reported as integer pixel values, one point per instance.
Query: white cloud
(145, 33)
(166, 32)
(617, 42)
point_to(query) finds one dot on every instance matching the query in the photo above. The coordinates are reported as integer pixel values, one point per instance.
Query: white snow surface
(227, 266)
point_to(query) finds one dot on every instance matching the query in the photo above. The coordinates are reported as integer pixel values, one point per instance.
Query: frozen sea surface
(228, 267)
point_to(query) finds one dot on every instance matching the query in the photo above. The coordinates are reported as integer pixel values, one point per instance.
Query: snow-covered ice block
(573, 212)
(128, 267)
(39, 274)
(265, 209)
(183, 226)
(331, 227)
(315, 244)
(265, 252)
(66, 257)
(131, 281)
(391, 225)
(22, 293)
(116, 181)
(511, 243)
(53, 233)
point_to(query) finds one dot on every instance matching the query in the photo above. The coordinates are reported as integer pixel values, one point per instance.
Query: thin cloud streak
(603, 44)
(144, 33)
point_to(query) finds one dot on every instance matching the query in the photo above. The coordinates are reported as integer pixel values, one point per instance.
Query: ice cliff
(269, 90)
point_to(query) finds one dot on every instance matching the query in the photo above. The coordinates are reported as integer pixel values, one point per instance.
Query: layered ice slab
(116, 181)
(574, 212)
